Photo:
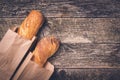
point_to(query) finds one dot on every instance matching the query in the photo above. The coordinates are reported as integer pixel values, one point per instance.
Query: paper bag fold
(33, 72)
(29, 70)
(12, 49)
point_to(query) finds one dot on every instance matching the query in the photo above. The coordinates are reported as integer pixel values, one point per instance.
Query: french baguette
(45, 48)
(30, 26)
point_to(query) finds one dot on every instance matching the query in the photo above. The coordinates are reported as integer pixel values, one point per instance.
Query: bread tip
(36, 12)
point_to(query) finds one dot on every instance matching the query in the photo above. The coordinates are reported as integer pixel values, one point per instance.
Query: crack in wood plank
(74, 30)
(86, 74)
(87, 56)
(60, 8)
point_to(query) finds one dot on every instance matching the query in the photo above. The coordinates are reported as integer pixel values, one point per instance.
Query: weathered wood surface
(86, 74)
(61, 8)
(74, 30)
(89, 31)
(80, 55)
(80, 52)
(87, 56)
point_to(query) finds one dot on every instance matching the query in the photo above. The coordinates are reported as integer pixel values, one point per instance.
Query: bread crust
(45, 48)
(30, 26)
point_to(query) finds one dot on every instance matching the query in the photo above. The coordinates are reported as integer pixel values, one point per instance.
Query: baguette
(30, 26)
(45, 48)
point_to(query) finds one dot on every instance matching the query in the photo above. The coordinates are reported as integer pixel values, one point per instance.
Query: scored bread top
(45, 48)
(31, 24)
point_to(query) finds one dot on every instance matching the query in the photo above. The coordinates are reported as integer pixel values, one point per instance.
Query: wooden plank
(87, 56)
(74, 30)
(98, 30)
(6, 23)
(86, 74)
(61, 8)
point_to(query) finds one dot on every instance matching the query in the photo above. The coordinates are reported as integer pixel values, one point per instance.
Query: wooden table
(89, 31)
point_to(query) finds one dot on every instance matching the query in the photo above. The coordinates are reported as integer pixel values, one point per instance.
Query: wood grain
(87, 56)
(61, 8)
(86, 74)
(89, 31)
(74, 30)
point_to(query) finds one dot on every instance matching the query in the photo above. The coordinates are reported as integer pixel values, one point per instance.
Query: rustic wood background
(89, 31)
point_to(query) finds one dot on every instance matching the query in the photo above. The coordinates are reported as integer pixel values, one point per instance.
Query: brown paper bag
(29, 70)
(12, 49)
